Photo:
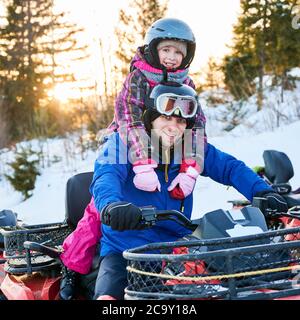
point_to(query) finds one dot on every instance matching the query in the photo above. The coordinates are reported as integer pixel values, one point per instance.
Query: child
(168, 52)
(166, 55)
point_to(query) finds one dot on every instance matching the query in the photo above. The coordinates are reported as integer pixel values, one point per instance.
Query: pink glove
(145, 177)
(184, 183)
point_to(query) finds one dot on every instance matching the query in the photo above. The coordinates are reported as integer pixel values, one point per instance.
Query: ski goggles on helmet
(169, 104)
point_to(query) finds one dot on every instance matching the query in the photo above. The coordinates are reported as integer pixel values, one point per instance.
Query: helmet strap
(165, 74)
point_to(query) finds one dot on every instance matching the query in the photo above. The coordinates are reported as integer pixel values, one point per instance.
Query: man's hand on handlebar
(274, 202)
(122, 215)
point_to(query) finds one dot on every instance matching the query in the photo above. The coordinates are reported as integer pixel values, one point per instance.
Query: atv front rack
(260, 266)
(19, 259)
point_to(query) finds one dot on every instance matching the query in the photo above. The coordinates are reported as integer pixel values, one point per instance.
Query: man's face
(170, 129)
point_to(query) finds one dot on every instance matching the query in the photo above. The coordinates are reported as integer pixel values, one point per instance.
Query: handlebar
(261, 203)
(38, 247)
(292, 213)
(150, 215)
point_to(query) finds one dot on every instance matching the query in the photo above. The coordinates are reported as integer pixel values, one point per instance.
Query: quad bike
(231, 255)
(29, 275)
(30, 266)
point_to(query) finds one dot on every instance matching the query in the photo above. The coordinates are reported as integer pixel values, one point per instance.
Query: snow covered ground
(246, 142)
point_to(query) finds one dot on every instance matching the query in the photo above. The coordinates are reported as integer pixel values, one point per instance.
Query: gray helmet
(169, 28)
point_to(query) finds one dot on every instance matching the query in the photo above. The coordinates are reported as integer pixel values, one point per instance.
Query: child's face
(170, 57)
(169, 128)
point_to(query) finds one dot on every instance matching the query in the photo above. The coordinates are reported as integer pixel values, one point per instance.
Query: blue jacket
(113, 181)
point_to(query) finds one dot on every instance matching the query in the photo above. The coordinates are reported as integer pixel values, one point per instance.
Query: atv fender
(32, 287)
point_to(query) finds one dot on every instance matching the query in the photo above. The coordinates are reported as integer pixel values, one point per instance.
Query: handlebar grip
(262, 204)
(149, 216)
(38, 247)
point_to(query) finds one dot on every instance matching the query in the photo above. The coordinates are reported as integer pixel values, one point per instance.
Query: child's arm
(129, 110)
(128, 115)
(199, 137)
(192, 164)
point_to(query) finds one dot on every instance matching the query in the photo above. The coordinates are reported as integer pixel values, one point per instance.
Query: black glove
(274, 200)
(122, 215)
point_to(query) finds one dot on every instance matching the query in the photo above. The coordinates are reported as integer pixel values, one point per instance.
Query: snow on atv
(231, 255)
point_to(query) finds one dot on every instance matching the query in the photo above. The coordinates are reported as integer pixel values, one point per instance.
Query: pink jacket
(80, 246)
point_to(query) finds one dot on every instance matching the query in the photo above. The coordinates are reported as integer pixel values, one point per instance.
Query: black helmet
(171, 98)
(169, 28)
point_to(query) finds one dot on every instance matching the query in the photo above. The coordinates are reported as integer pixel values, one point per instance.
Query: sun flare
(63, 92)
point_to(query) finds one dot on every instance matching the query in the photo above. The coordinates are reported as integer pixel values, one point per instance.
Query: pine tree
(32, 37)
(251, 38)
(20, 84)
(239, 73)
(25, 171)
(264, 43)
(284, 53)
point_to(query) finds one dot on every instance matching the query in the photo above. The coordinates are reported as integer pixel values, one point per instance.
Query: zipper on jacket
(166, 173)
(182, 206)
(167, 166)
